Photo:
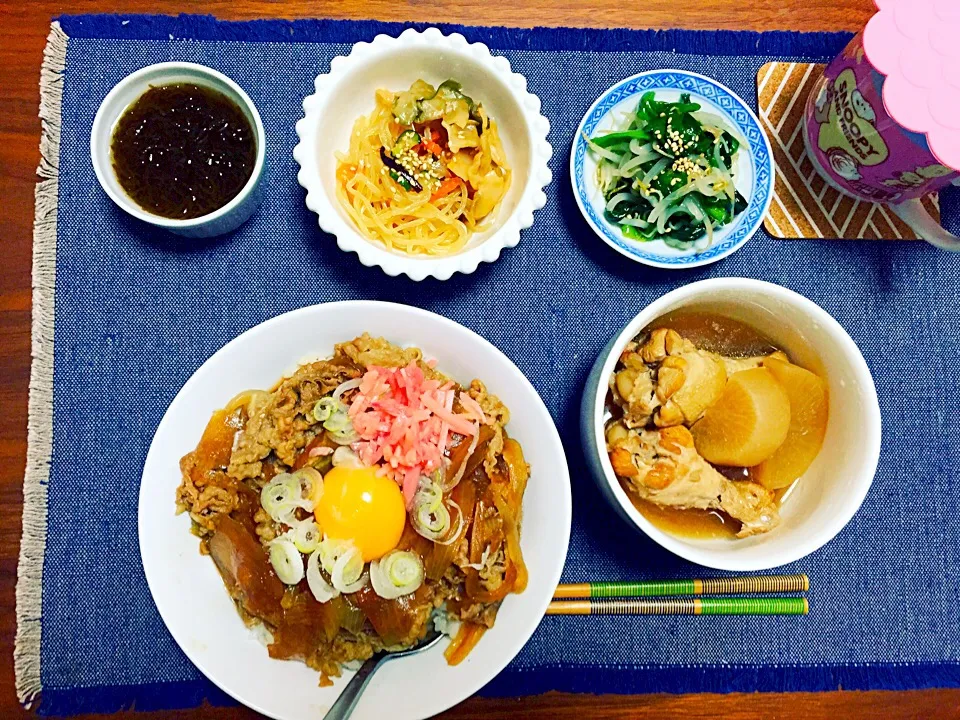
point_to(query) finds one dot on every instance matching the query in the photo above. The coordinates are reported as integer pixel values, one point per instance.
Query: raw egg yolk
(363, 507)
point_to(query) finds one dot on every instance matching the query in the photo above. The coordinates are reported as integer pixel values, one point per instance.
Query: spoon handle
(343, 707)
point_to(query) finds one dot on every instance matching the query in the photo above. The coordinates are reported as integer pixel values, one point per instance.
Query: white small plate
(754, 168)
(191, 596)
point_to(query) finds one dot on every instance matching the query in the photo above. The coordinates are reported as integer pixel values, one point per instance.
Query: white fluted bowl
(347, 93)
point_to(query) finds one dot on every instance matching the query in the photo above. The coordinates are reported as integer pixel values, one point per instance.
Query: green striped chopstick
(666, 588)
(682, 606)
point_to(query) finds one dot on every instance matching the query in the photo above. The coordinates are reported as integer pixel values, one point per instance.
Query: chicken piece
(634, 390)
(699, 377)
(666, 380)
(663, 467)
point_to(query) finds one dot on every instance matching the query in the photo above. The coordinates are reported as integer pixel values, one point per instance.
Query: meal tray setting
(125, 313)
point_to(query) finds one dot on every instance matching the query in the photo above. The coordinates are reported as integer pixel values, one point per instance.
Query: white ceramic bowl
(754, 168)
(123, 95)
(191, 596)
(347, 92)
(831, 490)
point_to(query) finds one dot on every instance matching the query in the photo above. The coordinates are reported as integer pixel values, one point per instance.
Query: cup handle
(916, 216)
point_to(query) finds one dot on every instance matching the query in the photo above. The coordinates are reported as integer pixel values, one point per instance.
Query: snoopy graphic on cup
(850, 128)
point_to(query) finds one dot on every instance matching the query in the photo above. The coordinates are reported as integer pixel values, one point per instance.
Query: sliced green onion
(340, 427)
(429, 494)
(399, 572)
(286, 561)
(321, 589)
(330, 550)
(347, 437)
(435, 524)
(338, 421)
(347, 575)
(324, 408)
(306, 536)
(280, 497)
(311, 487)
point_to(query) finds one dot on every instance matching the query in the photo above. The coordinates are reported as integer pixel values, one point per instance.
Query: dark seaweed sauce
(182, 150)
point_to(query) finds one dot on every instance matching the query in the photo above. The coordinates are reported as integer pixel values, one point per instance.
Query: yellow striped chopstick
(682, 606)
(671, 588)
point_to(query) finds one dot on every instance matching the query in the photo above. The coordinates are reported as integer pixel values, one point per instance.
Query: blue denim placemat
(137, 311)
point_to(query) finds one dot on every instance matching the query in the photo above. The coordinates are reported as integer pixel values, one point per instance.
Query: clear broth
(717, 333)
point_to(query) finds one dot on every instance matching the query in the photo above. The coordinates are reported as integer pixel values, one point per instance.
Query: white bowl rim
(650, 261)
(562, 499)
(126, 203)
(370, 253)
(871, 431)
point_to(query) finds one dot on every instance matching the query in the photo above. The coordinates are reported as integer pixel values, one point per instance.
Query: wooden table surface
(23, 28)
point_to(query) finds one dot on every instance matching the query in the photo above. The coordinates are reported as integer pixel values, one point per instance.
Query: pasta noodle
(424, 171)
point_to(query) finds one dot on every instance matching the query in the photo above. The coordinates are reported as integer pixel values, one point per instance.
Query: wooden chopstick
(666, 588)
(683, 606)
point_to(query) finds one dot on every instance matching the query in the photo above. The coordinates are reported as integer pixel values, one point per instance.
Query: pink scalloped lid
(916, 45)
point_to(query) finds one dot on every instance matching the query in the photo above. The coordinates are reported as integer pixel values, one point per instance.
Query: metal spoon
(343, 707)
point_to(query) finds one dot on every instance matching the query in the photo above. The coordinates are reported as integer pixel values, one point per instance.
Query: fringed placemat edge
(33, 539)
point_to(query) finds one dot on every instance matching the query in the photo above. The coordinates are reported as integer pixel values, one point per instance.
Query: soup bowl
(826, 497)
(346, 93)
(224, 219)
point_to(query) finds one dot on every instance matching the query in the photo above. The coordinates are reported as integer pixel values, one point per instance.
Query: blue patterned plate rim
(717, 98)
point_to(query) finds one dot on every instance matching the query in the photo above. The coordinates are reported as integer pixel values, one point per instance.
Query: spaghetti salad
(425, 170)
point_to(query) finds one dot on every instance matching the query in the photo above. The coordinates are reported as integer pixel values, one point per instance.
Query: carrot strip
(446, 187)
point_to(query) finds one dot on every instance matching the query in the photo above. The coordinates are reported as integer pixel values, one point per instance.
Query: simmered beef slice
(246, 570)
(398, 622)
(283, 420)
